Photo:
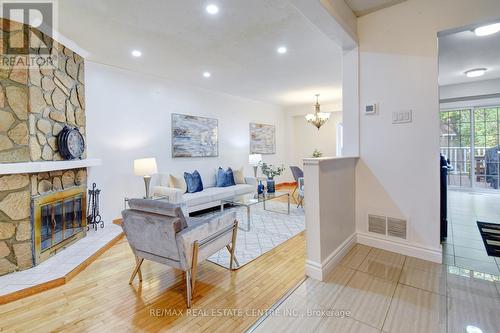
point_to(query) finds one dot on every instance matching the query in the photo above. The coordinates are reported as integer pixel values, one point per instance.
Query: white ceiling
(363, 7)
(463, 51)
(180, 41)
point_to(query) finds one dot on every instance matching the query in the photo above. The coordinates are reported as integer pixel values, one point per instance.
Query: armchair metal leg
(233, 244)
(188, 289)
(301, 202)
(139, 272)
(137, 269)
(194, 265)
(235, 260)
(294, 190)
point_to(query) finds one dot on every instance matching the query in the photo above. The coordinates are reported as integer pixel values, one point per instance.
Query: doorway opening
(469, 120)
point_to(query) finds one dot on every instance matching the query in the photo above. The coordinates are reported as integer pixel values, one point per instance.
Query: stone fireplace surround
(35, 104)
(17, 191)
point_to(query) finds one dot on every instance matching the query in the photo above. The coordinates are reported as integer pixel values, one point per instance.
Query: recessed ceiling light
(473, 329)
(487, 30)
(136, 53)
(212, 9)
(281, 50)
(207, 74)
(476, 72)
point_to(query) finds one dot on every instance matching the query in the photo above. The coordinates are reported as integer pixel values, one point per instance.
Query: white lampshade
(254, 159)
(324, 115)
(309, 117)
(145, 166)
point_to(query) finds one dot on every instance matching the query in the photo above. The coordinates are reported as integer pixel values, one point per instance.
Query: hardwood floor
(100, 298)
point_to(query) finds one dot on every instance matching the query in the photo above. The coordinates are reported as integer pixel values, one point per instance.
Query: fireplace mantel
(36, 167)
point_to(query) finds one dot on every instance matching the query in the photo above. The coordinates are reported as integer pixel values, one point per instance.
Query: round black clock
(70, 143)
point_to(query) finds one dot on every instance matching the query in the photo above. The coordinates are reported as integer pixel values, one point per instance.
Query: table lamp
(254, 160)
(145, 167)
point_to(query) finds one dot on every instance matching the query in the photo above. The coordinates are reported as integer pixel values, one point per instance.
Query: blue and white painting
(194, 136)
(262, 139)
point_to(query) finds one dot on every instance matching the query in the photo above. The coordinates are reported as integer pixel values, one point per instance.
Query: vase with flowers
(271, 171)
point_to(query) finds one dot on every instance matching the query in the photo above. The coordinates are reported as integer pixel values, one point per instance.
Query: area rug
(268, 230)
(491, 237)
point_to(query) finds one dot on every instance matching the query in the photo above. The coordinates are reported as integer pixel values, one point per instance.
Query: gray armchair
(158, 231)
(300, 185)
(296, 173)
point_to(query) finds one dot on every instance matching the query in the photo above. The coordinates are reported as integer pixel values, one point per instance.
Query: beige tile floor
(373, 290)
(464, 246)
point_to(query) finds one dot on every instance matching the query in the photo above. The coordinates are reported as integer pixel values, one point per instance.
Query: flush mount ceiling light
(281, 50)
(212, 9)
(476, 72)
(473, 329)
(487, 30)
(317, 118)
(207, 74)
(136, 53)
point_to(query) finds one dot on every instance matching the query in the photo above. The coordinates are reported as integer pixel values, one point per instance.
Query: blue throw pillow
(193, 182)
(230, 177)
(221, 178)
(225, 178)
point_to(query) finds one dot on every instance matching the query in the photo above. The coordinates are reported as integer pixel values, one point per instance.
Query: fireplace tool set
(93, 217)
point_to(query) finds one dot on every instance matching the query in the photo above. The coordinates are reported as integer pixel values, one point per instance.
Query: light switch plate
(402, 117)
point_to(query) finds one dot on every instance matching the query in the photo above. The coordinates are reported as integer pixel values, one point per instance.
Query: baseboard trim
(429, 254)
(320, 271)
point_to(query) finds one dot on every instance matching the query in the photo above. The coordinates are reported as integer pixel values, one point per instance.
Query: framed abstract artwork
(194, 136)
(262, 139)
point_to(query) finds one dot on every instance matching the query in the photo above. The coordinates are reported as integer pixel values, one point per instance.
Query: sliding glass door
(470, 139)
(456, 138)
(486, 142)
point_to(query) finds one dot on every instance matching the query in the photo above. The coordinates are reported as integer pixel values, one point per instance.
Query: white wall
(398, 174)
(303, 137)
(470, 89)
(467, 91)
(307, 138)
(128, 117)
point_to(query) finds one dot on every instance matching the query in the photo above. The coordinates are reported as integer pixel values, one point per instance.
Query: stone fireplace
(35, 105)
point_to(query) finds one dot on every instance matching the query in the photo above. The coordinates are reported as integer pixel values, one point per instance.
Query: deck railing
(460, 157)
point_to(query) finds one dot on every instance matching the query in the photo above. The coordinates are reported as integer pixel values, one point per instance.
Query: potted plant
(316, 153)
(271, 171)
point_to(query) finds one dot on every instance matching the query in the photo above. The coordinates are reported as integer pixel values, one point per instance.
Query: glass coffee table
(249, 202)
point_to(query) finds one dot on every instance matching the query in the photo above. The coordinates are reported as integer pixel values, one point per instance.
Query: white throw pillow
(239, 177)
(177, 182)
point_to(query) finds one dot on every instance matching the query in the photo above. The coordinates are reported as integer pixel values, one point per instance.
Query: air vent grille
(376, 224)
(396, 227)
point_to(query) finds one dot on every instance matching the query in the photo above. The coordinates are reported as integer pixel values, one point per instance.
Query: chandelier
(319, 118)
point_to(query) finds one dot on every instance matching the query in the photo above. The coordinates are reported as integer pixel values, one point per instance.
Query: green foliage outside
(456, 127)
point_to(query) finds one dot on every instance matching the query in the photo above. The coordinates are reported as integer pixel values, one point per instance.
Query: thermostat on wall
(371, 108)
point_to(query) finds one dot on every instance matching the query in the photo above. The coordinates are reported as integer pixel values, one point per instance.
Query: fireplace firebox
(59, 219)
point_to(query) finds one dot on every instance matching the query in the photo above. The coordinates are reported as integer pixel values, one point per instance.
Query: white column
(330, 212)
(350, 102)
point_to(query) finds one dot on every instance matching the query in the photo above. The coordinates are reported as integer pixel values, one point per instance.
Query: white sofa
(211, 195)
